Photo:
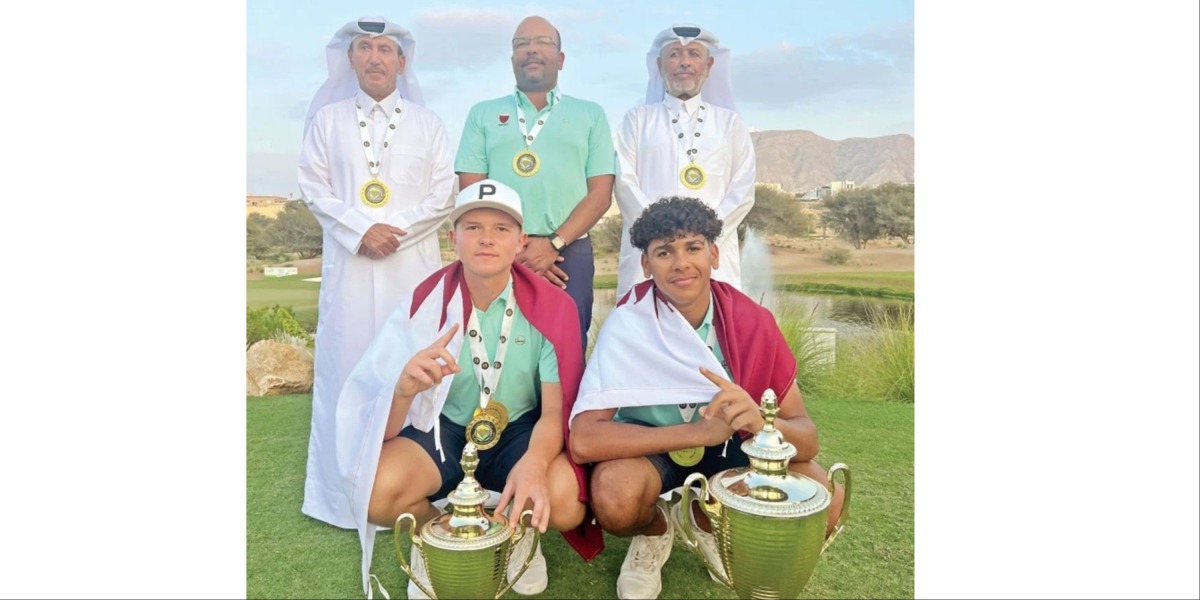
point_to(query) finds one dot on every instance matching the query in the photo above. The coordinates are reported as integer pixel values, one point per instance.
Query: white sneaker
(416, 561)
(641, 573)
(535, 579)
(706, 540)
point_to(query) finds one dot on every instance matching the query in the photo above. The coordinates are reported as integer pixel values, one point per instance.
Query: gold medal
(375, 193)
(687, 457)
(526, 163)
(692, 176)
(487, 424)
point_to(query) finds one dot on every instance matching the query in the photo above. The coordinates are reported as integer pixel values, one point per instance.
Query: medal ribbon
(480, 352)
(687, 411)
(689, 148)
(529, 134)
(372, 163)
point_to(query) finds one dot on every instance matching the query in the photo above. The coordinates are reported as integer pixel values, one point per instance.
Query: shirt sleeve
(602, 158)
(336, 215)
(548, 363)
(739, 196)
(423, 219)
(628, 189)
(472, 147)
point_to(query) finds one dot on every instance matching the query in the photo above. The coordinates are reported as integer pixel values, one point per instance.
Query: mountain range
(801, 160)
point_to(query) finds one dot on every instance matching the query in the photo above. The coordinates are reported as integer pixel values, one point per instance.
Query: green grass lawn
(898, 283)
(302, 295)
(290, 291)
(289, 555)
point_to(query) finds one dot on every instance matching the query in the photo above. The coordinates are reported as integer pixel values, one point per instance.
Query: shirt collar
(499, 301)
(552, 97)
(367, 103)
(687, 107)
(708, 316)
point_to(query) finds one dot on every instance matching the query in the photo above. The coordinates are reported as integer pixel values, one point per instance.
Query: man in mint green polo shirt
(556, 151)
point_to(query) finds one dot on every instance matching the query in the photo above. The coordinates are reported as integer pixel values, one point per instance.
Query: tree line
(293, 231)
(864, 214)
(858, 216)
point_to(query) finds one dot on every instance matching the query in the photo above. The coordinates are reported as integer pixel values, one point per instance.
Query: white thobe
(359, 293)
(650, 156)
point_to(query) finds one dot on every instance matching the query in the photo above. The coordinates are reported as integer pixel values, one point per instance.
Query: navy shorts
(494, 463)
(672, 474)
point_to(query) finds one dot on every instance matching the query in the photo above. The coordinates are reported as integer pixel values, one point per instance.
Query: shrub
(813, 366)
(880, 364)
(275, 323)
(836, 256)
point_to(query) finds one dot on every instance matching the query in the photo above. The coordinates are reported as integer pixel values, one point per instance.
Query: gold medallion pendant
(692, 176)
(487, 424)
(526, 163)
(687, 457)
(375, 193)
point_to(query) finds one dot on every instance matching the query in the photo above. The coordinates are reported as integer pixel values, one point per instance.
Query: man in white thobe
(684, 143)
(377, 173)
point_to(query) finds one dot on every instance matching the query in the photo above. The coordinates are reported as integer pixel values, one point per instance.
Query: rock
(276, 369)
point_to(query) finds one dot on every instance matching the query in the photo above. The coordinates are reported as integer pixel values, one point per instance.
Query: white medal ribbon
(528, 135)
(489, 378)
(694, 127)
(372, 162)
(711, 342)
(371, 588)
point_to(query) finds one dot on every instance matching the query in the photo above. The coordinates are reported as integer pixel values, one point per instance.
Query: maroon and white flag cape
(438, 303)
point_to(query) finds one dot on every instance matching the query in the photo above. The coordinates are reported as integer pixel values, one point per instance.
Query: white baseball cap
(488, 193)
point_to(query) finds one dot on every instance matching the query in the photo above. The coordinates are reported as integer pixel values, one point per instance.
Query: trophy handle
(522, 531)
(688, 526)
(845, 513)
(416, 543)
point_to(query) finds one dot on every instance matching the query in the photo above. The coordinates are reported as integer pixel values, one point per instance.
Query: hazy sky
(840, 69)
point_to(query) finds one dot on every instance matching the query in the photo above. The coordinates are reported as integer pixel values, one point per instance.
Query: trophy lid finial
(770, 408)
(470, 460)
(466, 501)
(768, 450)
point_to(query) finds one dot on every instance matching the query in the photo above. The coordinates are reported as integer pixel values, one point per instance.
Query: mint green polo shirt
(668, 414)
(574, 144)
(530, 360)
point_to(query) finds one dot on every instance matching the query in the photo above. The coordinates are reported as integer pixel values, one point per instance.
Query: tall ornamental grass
(879, 364)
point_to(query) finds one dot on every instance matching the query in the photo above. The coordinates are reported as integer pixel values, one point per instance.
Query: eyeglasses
(541, 40)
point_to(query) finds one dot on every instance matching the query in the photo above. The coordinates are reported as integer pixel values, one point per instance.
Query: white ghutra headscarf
(718, 88)
(343, 83)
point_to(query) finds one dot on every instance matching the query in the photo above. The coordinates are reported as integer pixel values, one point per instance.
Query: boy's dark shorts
(494, 463)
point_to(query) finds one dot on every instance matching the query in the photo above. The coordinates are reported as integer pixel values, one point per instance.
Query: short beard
(692, 89)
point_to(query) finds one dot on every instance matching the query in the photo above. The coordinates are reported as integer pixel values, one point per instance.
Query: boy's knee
(615, 498)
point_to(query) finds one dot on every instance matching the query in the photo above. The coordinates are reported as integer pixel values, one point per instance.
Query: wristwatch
(557, 241)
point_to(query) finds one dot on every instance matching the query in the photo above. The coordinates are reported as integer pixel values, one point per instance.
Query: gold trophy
(769, 523)
(466, 551)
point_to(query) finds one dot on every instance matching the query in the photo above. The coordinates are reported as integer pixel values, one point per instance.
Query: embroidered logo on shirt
(520, 340)
(504, 119)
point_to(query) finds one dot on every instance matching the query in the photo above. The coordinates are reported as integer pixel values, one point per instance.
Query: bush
(606, 235)
(836, 256)
(878, 365)
(812, 364)
(275, 323)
